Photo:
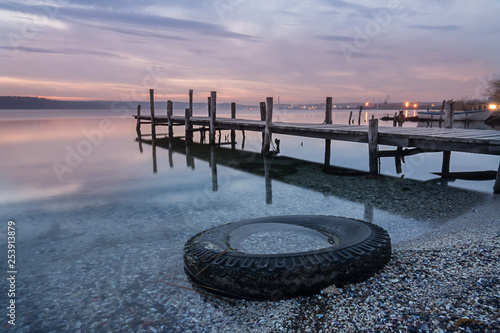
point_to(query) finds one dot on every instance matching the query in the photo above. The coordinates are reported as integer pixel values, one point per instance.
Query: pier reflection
(406, 197)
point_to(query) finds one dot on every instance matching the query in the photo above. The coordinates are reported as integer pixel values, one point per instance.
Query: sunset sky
(302, 51)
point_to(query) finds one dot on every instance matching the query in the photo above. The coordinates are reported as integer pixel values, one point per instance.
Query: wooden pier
(415, 140)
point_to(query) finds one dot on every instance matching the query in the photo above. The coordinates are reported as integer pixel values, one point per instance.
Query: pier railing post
(267, 131)
(328, 110)
(373, 146)
(213, 111)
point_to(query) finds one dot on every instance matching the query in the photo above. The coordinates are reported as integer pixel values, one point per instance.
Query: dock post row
(486, 142)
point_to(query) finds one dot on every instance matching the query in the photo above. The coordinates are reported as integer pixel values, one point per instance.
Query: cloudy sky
(302, 51)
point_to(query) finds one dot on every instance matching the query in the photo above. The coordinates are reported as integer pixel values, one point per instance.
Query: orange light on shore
(415, 105)
(407, 104)
(366, 103)
(493, 106)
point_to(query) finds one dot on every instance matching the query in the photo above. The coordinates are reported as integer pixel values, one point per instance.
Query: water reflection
(406, 197)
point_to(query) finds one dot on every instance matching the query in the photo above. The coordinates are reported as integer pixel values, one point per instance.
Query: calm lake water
(99, 222)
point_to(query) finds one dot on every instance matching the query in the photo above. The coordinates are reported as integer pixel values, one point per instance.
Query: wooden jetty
(416, 140)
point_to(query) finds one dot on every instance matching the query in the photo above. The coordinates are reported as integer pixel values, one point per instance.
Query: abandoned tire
(285, 256)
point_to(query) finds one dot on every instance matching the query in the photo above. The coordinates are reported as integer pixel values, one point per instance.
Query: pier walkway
(415, 140)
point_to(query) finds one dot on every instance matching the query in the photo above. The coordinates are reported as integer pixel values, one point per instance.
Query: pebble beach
(445, 281)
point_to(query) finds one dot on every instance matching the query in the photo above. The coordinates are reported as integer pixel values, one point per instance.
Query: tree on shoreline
(493, 90)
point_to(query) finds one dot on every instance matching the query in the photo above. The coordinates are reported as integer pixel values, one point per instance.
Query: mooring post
(213, 111)
(233, 132)
(269, 118)
(373, 146)
(328, 110)
(449, 113)
(350, 117)
(496, 187)
(359, 116)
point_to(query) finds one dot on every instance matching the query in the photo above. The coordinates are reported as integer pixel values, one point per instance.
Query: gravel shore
(445, 281)
(96, 278)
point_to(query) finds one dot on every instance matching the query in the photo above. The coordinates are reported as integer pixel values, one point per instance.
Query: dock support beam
(496, 187)
(373, 146)
(267, 133)
(213, 111)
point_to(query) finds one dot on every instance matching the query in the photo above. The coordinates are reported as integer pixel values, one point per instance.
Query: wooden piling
(191, 102)
(170, 110)
(138, 125)
(328, 110)
(213, 165)
(373, 146)
(449, 113)
(399, 159)
(152, 107)
(350, 117)
(262, 118)
(213, 111)
(233, 132)
(269, 117)
(188, 124)
(268, 181)
(328, 151)
(441, 113)
(445, 168)
(496, 187)
(262, 111)
(359, 116)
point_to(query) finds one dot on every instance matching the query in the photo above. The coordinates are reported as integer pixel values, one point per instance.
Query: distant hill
(23, 102)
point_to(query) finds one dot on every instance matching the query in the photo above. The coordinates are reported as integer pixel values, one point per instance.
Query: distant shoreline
(32, 103)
